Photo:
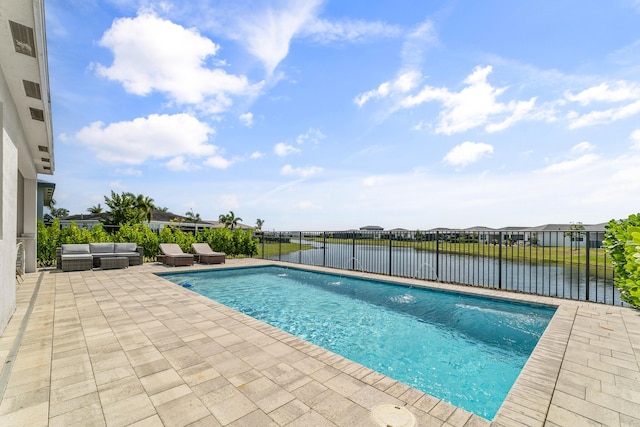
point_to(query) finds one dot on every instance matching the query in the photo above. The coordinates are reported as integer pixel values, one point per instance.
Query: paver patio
(125, 347)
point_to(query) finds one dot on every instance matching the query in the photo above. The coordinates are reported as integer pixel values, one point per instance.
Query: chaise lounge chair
(205, 255)
(173, 255)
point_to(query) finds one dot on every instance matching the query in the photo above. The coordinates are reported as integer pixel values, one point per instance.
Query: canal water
(540, 279)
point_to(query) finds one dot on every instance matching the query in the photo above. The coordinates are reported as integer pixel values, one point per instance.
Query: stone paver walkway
(125, 347)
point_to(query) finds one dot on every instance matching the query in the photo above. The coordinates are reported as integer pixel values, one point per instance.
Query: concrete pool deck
(126, 347)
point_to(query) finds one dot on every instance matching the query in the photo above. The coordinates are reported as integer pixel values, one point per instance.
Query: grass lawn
(272, 249)
(599, 262)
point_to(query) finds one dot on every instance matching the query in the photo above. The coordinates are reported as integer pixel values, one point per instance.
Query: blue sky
(321, 115)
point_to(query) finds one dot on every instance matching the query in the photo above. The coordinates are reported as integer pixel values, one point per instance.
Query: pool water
(466, 350)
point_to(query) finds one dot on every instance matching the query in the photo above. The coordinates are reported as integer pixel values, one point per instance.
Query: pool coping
(536, 377)
(584, 370)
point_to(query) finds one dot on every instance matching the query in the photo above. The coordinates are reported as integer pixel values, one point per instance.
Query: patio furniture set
(85, 256)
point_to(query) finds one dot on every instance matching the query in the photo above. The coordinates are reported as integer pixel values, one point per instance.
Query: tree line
(128, 208)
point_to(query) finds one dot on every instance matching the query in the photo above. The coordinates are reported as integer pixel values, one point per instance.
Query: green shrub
(141, 235)
(48, 238)
(175, 235)
(232, 242)
(622, 242)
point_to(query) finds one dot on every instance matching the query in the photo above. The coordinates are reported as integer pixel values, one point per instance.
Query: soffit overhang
(24, 64)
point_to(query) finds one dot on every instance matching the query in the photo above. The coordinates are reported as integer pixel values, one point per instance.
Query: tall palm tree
(259, 223)
(230, 220)
(123, 209)
(96, 209)
(193, 217)
(145, 204)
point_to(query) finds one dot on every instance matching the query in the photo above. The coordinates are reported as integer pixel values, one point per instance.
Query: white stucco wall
(9, 156)
(12, 138)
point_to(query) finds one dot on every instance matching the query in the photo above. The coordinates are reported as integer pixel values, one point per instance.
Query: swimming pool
(464, 349)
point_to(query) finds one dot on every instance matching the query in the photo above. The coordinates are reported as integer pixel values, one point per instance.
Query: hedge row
(622, 241)
(232, 242)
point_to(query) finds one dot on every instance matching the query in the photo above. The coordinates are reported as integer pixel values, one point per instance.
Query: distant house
(371, 231)
(400, 234)
(550, 235)
(159, 220)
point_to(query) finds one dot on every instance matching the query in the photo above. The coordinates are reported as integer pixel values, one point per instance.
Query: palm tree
(95, 209)
(123, 209)
(55, 212)
(193, 217)
(223, 219)
(230, 220)
(259, 223)
(145, 204)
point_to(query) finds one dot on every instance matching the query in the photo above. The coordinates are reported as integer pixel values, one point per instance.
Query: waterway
(541, 279)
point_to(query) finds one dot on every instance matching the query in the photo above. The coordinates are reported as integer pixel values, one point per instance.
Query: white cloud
(370, 181)
(153, 137)
(301, 172)
(246, 119)
(475, 105)
(467, 153)
(178, 164)
(282, 149)
(415, 44)
(312, 135)
(404, 83)
(154, 54)
(619, 91)
(218, 162)
(635, 138)
(570, 165)
(129, 172)
(604, 116)
(353, 31)
(521, 110)
(256, 155)
(267, 33)
(582, 147)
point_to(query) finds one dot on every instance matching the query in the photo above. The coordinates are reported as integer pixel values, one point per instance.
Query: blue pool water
(466, 350)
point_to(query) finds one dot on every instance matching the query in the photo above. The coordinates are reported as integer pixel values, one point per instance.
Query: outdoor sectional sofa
(85, 256)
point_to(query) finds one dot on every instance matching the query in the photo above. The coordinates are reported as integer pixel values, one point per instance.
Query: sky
(330, 115)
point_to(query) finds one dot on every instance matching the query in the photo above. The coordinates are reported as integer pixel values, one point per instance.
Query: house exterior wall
(18, 182)
(8, 212)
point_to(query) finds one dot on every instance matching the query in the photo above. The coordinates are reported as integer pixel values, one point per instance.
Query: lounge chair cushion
(204, 249)
(171, 249)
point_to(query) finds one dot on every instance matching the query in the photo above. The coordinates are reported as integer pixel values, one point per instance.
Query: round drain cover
(393, 416)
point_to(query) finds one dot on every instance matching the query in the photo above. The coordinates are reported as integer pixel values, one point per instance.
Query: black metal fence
(565, 263)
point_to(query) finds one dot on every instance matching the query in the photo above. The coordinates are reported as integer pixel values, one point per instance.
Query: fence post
(280, 246)
(437, 255)
(300, 247)
(263, 239)
(390, 255)
(353, 251)
(324, 249)
(587, 269)
(500, 260)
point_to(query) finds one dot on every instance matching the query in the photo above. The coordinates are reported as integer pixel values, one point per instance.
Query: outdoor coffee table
(114, 262)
